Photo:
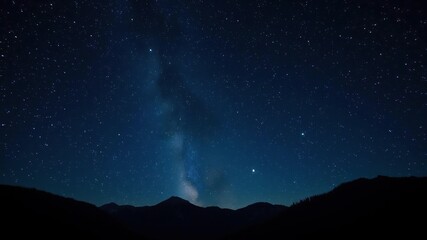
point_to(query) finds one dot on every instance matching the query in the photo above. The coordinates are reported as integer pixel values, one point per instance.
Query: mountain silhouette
(174, 202)
(177, 218)
(382, 207)
(37, 214)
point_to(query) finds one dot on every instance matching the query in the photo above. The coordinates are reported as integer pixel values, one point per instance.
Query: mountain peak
(174, 201)
(110, 205)
(259, 204)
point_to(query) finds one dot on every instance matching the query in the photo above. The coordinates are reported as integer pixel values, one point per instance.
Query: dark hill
(179, 219)
(174, 202)
(383, 207)
(41, 215)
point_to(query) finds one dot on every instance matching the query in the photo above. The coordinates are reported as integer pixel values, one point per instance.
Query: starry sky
(219, 102)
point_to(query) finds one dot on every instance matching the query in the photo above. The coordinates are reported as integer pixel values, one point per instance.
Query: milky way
(186, 124)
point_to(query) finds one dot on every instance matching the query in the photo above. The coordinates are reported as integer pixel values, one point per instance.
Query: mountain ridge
(175, 200)
(378, 207)
(186, 220)
(43, 214)
(382, 206)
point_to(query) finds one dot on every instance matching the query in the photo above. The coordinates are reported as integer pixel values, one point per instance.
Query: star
(303, 134)
(253, 170)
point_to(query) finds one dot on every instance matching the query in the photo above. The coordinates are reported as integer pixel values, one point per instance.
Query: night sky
(219, 102)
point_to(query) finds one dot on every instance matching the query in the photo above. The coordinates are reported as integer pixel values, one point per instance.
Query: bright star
(302, 134)
(150, 49)
(253, 170)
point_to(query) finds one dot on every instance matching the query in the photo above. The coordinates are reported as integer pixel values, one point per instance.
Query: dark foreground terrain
(178, 218)
(30, 213)
(379, 208)
(382, 207)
